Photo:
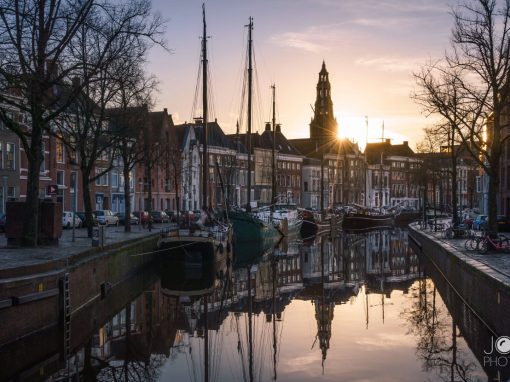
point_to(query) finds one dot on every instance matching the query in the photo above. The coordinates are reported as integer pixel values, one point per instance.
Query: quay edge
(482, 287)
(37, 296)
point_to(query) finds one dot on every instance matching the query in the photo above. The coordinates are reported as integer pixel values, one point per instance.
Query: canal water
(356, 307)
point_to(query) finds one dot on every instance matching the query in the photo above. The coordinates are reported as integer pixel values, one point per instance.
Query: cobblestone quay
(483, 281)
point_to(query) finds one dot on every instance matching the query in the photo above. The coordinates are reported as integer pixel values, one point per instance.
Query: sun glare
(356, 130)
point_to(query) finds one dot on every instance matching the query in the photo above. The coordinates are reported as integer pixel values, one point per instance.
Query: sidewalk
(495, 264)
(15, 257)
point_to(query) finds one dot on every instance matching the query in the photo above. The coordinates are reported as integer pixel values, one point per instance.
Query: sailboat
(248, 226)
(209, 240)
(284, 216)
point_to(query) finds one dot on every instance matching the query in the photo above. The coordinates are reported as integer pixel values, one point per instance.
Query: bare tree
(117, 80)
(478, 71)
(440, 92)
(45, 43)
(34, 59)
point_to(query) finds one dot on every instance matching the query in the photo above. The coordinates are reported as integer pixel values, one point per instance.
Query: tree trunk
(149, 193)
(493, 191)
(455, 218)
(127, 200)
(87, 202)
(31, 217)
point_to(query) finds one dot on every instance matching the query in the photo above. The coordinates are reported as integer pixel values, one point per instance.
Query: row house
(161, 164)
(222, 164)
(392, 175)
(336, 167)
(287, 169)
(311, 176)
(438, 174)
(10, 159)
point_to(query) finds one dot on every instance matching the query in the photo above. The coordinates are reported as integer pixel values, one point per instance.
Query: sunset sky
(371, 48)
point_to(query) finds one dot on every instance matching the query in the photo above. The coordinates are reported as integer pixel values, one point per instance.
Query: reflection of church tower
(324, 316)
(323, 126)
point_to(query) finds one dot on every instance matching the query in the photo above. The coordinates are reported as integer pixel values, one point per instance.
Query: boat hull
(360, 221)
(184, 246)
(251, 229)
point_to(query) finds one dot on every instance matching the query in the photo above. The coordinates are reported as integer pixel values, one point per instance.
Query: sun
(361, 129)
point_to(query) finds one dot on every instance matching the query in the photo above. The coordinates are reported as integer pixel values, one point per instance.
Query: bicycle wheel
(469, 245)
(448, 233)
(483, 246)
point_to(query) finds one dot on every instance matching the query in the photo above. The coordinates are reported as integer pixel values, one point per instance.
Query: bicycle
(472, 242)
(492, 240)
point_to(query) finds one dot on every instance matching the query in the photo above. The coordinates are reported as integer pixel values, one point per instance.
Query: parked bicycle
(473, 240)
(493, 241)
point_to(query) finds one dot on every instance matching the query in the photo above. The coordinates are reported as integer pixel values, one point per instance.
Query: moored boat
(211, 238)
(360, 220)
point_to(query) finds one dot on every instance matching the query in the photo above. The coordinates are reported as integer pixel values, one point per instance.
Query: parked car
(480, 222)
(2, 222)
(143, 217)
(67, 220)
(122, 218)
(81, 215)
(106, 217)
(160, 217)
(172, 215)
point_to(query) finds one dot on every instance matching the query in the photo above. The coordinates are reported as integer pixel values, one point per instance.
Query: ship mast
(205, 156)
(273, 156)
(250, 79)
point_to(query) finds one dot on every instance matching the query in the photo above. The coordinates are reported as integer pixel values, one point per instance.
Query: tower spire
(323, 126)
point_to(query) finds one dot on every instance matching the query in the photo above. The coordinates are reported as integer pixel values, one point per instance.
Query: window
(9, 156)
(1, 155)
(43, 165)
(60, 178)
(59, 151)
(115, 179)
(305, 186)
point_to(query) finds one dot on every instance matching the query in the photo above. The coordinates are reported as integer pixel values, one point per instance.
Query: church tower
(323, 126)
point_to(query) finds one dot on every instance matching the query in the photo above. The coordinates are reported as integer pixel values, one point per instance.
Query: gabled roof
(313, 148)
(127, 122)
(215, 135)
(283, 145)
(373, 151)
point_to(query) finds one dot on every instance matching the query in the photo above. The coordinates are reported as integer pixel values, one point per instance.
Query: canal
(356, 307)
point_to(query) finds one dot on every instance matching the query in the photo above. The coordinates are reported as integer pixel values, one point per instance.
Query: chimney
(278, 128)
(165, 110)
(268, 126)
(215, 120)
(406, 143)
(388, 140)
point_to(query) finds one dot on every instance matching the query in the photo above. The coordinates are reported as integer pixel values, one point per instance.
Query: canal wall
(482, 287)
(36, 301)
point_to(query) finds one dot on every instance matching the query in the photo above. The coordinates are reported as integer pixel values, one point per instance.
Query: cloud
(314, 39)
(391, 64)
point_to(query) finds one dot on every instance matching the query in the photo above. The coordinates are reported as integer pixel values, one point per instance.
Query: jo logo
(502, 345)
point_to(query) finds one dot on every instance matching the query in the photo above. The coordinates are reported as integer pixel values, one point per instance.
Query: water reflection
(352, 306)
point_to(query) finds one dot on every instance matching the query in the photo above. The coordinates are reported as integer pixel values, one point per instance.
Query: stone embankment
(482, 281)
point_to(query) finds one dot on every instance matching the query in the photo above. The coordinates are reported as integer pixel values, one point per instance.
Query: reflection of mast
(206, 340)
(381, 264)
(274, 318)
(250, 326)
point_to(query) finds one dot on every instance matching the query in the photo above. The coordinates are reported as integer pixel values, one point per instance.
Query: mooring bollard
(98, 236)
(95, 236)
